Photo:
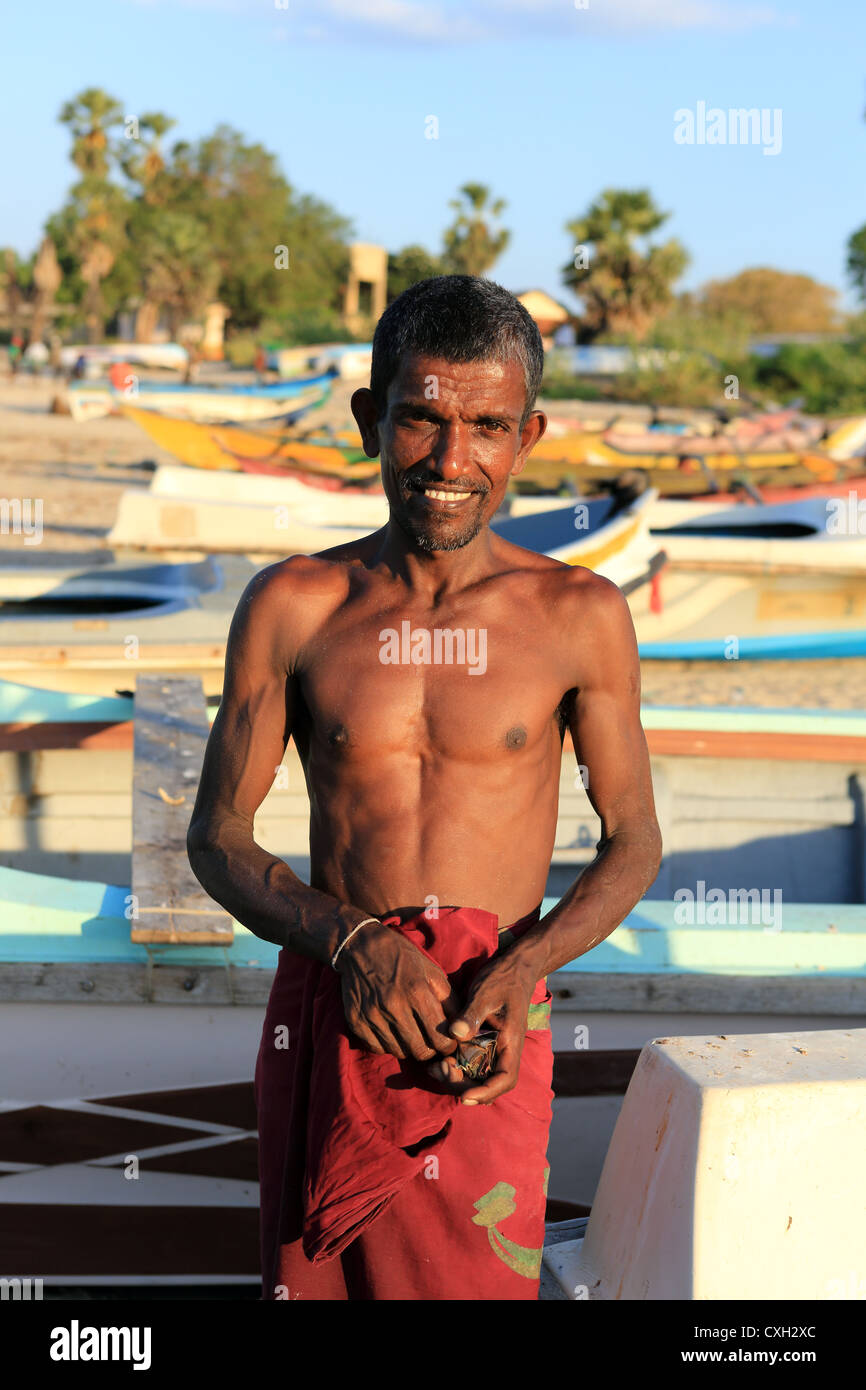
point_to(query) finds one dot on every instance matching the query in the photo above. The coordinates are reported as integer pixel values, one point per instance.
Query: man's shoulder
(584, 589)
(321, 576)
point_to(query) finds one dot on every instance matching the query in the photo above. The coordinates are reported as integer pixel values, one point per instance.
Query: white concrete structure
(735, 1171)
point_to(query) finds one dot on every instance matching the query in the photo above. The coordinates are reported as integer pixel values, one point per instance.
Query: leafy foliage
(773, 301)
(627, 280)
(472, 243)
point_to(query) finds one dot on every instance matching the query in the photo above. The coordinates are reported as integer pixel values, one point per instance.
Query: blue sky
(545, 102)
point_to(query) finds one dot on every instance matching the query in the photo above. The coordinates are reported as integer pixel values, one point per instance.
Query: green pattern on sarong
(539, 1015)
(496, 1205)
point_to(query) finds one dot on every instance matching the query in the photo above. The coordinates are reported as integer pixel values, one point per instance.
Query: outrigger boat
(213, 447)
(93, 622)
(88, 401)
(214, 407)
(692, 476)
(218, 511)
(801, 536)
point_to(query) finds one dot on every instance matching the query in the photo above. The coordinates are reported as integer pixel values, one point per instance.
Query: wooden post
(169, 736)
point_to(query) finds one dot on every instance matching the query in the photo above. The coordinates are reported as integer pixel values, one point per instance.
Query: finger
(504, 1078)
(433, 1021)
(480, 1008)
(411, 1039)
(435, 1034)
(445, 1071)
(387, 1038)
(366, 1037)
(448, 1000)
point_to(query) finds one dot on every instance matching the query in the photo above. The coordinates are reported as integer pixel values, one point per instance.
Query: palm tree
(142, 159)
(622, 279)
(47, 278)
(177, 265)
(99, 227)
(471, 243)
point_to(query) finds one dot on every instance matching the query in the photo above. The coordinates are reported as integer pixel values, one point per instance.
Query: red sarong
(377, 1185)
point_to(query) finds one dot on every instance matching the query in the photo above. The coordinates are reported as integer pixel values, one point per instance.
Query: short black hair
(462, 318)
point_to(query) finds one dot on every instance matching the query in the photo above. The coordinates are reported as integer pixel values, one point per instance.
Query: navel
(516, 737)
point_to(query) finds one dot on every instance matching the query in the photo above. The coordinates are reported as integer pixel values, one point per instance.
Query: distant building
(548, 313)
(366, 291)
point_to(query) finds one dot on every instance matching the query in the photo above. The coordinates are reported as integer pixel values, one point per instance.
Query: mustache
(417, 482)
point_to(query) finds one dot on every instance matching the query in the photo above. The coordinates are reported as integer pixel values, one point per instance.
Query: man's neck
(433, 574)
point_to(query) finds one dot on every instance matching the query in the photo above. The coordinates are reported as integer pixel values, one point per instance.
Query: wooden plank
(700, 743)
(728, 743)
(129, 1243)
(95, 656)
(68, 734)
(835, 996)
(170, 732)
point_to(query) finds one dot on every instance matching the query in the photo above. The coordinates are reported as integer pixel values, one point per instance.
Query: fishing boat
(692, 476)
(177, 1091)
(89, 401)
(743, 796)
(349, 360)
(692, 614)
(216, 446)
(213, 511)
(802, 536)
(95, 622)
(164, 356)
(849, 484)
(213, 407)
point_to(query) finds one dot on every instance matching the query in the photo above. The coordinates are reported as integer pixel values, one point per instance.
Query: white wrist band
(349, 937)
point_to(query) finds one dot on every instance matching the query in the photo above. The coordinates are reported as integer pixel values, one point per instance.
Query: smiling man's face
(449, 440)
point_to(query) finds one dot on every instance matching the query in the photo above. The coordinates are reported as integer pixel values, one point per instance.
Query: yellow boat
(233, 446)
(590, 448)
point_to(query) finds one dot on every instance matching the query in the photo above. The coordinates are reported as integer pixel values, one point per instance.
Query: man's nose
(449, 454)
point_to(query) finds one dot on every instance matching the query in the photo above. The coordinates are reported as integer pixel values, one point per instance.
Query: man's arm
(245, 748)
(609, 742)
(395, 1000)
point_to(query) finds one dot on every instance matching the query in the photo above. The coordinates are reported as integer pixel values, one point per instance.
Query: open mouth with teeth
(433, 493)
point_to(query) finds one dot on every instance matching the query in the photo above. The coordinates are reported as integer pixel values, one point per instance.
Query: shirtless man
(431, 781)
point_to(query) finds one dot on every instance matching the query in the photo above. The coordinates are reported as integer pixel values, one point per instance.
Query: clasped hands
(398, 1001)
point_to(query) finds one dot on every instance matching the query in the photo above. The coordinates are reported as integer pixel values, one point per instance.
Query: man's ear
(529, 437)
(366, 415)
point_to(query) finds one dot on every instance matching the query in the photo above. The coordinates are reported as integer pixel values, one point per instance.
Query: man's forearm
(605, 893)
(264, 894)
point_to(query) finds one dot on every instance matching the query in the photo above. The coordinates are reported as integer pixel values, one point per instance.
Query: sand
(79, 470)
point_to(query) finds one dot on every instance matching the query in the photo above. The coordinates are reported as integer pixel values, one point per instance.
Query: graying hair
(461, 318)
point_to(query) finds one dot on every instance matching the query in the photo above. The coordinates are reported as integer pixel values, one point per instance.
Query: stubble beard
(431, 539)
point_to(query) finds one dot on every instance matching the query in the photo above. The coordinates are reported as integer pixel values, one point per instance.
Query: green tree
(141, 157)
(472, 244)
(177, 267)
(773, 301)
(856, 263)
(408, 266)
(239, 194)
(47, 276)
(624, 280)
(97, 207)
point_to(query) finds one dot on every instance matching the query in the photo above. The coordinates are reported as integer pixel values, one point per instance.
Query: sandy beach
(79, 470)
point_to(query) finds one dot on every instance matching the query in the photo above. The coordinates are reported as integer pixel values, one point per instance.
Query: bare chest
(474, 691)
